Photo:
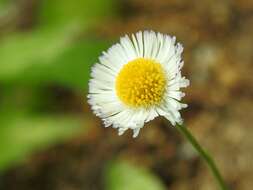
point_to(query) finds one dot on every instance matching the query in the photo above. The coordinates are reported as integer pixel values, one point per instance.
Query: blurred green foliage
(48, 56)
(62, 12)
(3, 3)
(53, 52)
(22, 134)
(122, 175)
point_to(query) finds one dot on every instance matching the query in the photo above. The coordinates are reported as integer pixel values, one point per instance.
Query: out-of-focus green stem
(204, 155)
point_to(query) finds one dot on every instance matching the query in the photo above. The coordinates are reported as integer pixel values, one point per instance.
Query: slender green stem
(204, 155)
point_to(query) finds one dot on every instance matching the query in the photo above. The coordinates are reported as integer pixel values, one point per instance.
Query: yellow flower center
(141, 83)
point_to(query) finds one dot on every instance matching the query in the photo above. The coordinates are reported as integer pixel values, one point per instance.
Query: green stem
(204, 155)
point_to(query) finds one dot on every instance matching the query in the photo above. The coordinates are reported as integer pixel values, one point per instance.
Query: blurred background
(49, 138)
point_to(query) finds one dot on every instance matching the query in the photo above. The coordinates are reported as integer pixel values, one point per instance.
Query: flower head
(138, 79)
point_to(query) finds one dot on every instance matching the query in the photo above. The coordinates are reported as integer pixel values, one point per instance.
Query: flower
(137, 80)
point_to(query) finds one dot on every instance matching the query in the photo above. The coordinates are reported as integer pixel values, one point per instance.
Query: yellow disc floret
(141, 83)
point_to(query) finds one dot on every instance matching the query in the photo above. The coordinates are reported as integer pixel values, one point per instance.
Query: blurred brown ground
(218, 52)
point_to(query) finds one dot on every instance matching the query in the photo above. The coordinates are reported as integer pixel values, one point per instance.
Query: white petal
(128, 46)
(140, 43)
(136, 132)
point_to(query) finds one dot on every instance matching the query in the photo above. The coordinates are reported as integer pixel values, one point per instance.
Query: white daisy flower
(138, 79)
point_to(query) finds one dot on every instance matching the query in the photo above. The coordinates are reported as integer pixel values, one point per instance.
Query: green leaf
(122, 175)
(3, 3)
(20, 51)
(43, 57)
(71, 68)
(61, 12)
(21, 135)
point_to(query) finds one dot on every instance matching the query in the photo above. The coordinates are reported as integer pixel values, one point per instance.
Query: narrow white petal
(128, 47)
(140, 43)
(136, 132)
